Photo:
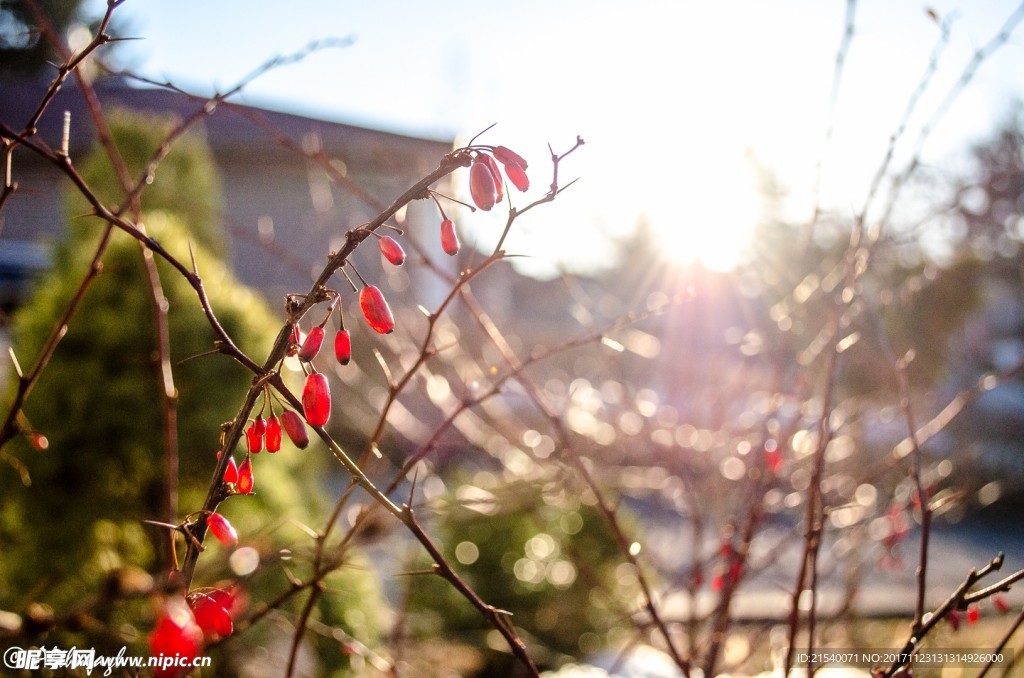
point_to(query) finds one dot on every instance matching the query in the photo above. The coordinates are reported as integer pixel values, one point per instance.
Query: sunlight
(712, 216)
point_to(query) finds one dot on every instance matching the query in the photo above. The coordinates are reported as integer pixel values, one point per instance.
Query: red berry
(260, 426)
(517, 175)
(499, 192)
(273, 437)
(316, 399)
(211, 616)
(774, 459)
(482, 184)
(392, 251)
(449, 238)
(973, 614)
(1001, 604)
(295, 428)
(954, 619)
(253, 440)
(231, 472)
(507, 156)
(376, 310)
(222, 529)
(311, 345)
(343, 347)
(232, 599)
(245, 480)
(176, 635)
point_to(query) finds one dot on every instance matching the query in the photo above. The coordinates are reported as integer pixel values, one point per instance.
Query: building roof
(229, 126)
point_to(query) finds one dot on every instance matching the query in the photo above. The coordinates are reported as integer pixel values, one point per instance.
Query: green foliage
(99, 404)
(185, 183)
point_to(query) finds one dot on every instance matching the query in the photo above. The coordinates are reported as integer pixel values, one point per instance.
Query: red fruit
(295, 428)
(1001, 604)
(343, 347)
(175, 636)
(774, 459)
(211, 616)
(517, 175)
(449, 238)
(222, 529)
(376, 310)
(973, 614)
(231, 472)
(508, 156)
(253, 440)
(232, 599)
(273, 437)
(260, 426)
(245, 479)
(311, 345)
(482, 184)
(392, 251)
(499, 192)
(954, 619)
(316, 399)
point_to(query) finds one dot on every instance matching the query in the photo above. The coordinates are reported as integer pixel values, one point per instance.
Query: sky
(683, 105)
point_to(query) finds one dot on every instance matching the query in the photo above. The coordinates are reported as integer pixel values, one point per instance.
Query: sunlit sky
(676, 100)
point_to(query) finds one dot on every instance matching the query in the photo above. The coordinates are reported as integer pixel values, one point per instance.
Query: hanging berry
(316, 399)
(499, 191)
(517, 175)
(253, 439)
(176, 635)
(449, 238)
(259, 425)
(211, 616)
(343, 347)
(375, 310)
(273, 437)
(311, 346)
(231, 472)
(222, 529)
(482, 184)
(246, 482)
(391, 250)
(295, 428)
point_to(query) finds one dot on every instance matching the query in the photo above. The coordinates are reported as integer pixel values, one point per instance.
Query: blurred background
(698, 291)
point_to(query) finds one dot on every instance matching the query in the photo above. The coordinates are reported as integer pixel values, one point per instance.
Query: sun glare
(712, 218)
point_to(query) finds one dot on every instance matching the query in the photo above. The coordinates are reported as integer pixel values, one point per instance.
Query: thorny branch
(126, 218)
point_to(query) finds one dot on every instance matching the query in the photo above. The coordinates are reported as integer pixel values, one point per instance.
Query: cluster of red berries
(485, 184)
(259, 434)
(486, 188)
(185, 625)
